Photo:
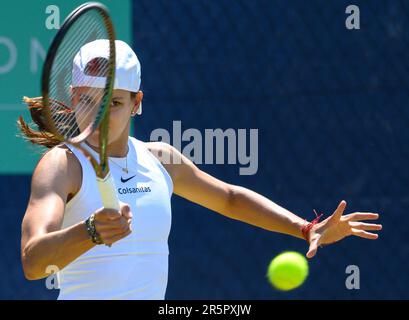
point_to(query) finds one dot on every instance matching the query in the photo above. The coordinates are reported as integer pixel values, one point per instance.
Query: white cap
(127, 72)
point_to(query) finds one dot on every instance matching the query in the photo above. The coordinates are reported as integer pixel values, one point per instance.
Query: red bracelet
(307, 228)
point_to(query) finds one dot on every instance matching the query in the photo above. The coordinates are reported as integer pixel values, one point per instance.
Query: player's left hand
(338, 226)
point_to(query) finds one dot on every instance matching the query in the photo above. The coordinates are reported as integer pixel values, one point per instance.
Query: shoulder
(175, 163)
(165, 153)
(58, 158)
(58, 169)
(158, 147)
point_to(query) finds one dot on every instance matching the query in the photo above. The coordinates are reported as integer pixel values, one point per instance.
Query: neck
(117, 148)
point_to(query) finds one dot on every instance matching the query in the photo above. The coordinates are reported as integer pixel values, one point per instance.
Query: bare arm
(248, 206)
(43, 243)
(232, 201)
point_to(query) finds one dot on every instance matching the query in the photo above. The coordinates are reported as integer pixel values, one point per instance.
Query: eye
(116, 103)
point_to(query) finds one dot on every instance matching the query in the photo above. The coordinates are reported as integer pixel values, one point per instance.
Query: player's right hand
(113, 225)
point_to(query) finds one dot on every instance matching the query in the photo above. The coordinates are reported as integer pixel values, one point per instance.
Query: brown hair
(40, 135)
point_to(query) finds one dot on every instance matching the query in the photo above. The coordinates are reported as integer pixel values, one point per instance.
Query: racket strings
(62, 68)
(73, 110)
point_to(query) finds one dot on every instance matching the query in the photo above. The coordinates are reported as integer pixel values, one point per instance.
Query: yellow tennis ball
(288, 270)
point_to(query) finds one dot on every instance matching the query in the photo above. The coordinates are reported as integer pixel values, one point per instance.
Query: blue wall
(331, 108)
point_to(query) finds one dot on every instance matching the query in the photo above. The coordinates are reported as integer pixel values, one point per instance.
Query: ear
(138, 100)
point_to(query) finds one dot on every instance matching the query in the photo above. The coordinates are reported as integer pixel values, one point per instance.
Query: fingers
(114, 238)
(116, 225)
(362, 216)
(107, 234)
(339, 211)
(364, 234)
(111, 214)
(312, 249)
(365, 226)
(104, 214)
(113, 225)
(108, 221)
(126, 211)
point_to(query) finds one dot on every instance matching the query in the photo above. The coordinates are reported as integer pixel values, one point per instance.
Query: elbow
(30, 267)
(30, 276)
(232, 196)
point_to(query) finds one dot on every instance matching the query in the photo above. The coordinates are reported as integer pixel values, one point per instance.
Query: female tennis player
(106, 254)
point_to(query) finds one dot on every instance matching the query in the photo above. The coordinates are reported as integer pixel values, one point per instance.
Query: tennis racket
(71, 114)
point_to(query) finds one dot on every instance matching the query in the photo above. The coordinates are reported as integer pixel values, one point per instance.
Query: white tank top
(135, 267)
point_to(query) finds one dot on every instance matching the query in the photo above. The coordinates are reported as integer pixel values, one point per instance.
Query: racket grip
(108, 192)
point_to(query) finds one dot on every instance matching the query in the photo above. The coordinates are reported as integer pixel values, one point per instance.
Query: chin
(93, 141)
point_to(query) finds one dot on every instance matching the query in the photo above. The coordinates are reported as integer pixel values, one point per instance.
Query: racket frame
(105, 182)
(102, 118)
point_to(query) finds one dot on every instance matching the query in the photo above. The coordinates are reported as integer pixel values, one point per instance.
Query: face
(122, 106)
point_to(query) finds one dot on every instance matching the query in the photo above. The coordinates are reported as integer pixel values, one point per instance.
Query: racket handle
(108, 192)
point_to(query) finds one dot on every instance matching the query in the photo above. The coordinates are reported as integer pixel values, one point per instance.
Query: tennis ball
(287, 271)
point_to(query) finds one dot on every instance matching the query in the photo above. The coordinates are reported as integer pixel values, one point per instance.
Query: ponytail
(40, 136)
